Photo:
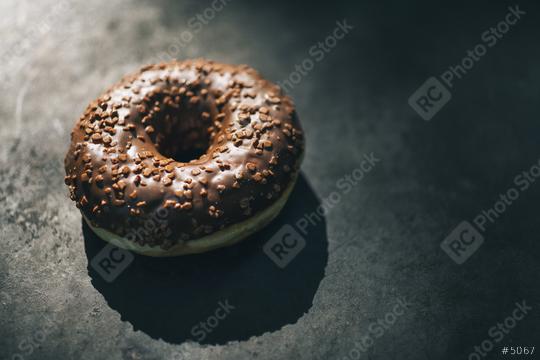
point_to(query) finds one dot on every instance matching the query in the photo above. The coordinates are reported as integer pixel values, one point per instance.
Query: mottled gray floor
(380, 242)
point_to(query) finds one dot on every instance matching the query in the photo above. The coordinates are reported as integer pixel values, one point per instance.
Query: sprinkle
(251, 166)
(121, 184)
(186, 206)
(167, 181)
(96, 138)
(149, 129)
(170, 203)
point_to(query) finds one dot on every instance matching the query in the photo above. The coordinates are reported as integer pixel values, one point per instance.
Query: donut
(184, 157)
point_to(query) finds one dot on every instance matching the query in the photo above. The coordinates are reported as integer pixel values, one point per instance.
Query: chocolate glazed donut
(184, 157)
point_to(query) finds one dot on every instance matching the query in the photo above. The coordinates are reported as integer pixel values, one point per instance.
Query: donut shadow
(225, 295)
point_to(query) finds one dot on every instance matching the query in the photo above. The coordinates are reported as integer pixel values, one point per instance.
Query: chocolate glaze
(120, 170)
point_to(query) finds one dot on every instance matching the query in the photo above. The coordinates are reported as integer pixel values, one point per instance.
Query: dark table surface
(373, 280)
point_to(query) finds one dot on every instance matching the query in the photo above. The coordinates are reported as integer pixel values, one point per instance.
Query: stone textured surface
(379, 241)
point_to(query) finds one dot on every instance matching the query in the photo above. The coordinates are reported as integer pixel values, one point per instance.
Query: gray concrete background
(379, 243)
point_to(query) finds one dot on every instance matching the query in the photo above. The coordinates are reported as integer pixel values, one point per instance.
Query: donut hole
(182, 132)
(183, 145)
